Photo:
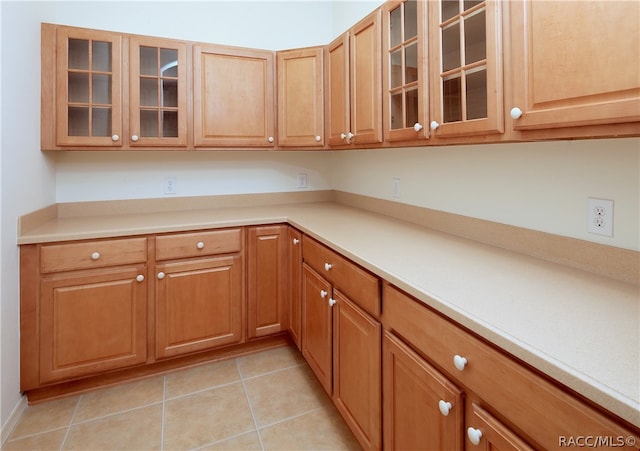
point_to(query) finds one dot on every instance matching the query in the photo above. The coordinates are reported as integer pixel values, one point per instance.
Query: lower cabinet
(294, 294)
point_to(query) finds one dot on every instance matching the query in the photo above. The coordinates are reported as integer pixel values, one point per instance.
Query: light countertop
(577, 327)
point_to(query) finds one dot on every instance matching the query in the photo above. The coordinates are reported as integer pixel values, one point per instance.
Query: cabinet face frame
(300, 75)
(407, 133)
(611, 98)
(494, 122)
(295, 285)
(61, 73)
(252, 123)
(135, 42)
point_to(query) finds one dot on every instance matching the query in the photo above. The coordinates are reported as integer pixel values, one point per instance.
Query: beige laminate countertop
(579, 328)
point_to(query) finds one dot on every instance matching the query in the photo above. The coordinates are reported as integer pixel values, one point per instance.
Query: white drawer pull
(332, 302)
(459, 362)
(474, 435)
(516, 113)
(296, 241)
(200, 245)
(160, 275)
(140, 278)
(445, 407)
(323, 294)
(327, 266)
(318, 138)
(95, 256)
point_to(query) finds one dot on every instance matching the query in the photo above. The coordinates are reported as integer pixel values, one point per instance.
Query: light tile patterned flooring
(265, 401)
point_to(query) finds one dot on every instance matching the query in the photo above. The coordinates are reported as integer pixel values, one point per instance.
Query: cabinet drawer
(359, 285)
(92, 254)
(184, 245)
(537, 407)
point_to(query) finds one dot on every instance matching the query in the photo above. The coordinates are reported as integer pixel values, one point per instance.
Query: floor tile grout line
(293, 417)
(271, 372)
(253, 415)
(162, 418)
(73, 417)
(119, 412)
(206, 445)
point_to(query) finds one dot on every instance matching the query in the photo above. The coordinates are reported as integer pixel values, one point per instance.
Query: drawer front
(92, 254)
(540, 409)
(358, 284)
(185, 245)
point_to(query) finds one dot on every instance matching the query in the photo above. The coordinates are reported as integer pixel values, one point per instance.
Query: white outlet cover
(396, 188)
(170, 185)
(302, 181)
(600, 216)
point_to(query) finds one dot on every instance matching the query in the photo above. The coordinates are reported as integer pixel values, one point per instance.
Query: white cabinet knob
(200, 245)
(434, 125)
(140, 278)
(95, 256)
(516, 113)
(332, 302)
(327, 266)
(115, 138)
(343, 136)
(270, 139)
(160, 275)
(318, 138)
(296, 241)
(323, 294)
(135, 138)
(417, 126)
(474, 435)
(459, 362)
(445, 407)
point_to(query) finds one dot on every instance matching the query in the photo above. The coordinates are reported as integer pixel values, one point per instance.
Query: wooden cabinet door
(157, 92)
(405, 96)
(198, 304)
(575, 63)
(317, 326)
(300, 97)
(88, 87)
(412, 393)
(486, 432)
(92, 321)
(357, 370)
(267, 280)
(295, 286)
(365, 58)
(465, 55)
(234, 97)
(337, 104)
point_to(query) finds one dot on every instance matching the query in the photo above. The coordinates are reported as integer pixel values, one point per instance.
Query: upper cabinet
(575, 64)
(405, 83)
(300, 75)
(233, 97)
(465, 57)
(353, 85)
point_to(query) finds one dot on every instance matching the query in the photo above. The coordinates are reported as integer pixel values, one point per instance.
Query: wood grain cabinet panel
(267, 279)
(295, 285)
(575, 64)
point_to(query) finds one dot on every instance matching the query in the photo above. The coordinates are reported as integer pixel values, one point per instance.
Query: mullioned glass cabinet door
(466, 51)
(158, 92)
(88, 88)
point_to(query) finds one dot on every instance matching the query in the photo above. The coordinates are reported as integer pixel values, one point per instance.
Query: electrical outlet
(302, 181)
(396, 188)
(600, 216)
(170, 185)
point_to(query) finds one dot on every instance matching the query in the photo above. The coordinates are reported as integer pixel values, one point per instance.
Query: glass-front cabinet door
(88, 88)
(158, 92)
(466, 61)
(405, 87)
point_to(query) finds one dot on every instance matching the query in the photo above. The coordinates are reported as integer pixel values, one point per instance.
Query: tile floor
(265, 401)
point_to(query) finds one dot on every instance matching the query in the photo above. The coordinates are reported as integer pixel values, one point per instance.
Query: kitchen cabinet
(574, 64)
(88, 101)
(233, 97)
(300, 74)
(466, 57)
(267, 280)
(294, 262)
(85, 309)
(353, 88)
(198, 291)
(506, 402)
(405, 71)
(341, 339)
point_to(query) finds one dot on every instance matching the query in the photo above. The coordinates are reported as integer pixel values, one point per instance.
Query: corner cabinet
(233, 97)
(574, 64)
(353, 86)
(301, 97)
